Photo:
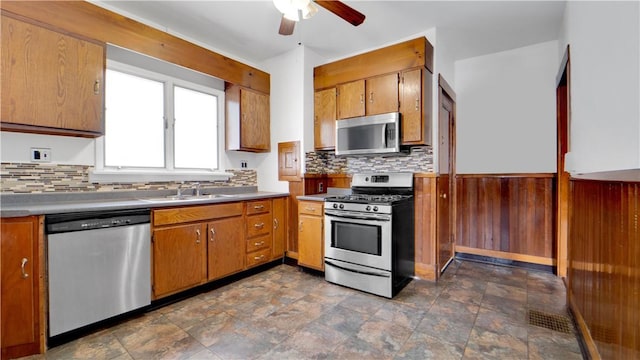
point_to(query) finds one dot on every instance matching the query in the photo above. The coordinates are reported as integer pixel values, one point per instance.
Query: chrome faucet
(180, 189)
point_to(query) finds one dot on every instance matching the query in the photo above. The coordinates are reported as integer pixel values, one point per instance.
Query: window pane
(134, 123)
(195, 134)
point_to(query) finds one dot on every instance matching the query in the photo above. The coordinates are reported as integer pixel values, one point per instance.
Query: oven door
(363, 239)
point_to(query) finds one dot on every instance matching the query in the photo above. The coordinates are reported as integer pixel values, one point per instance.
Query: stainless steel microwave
(368, 135)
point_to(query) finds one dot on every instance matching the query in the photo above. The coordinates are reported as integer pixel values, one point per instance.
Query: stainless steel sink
(188, 197)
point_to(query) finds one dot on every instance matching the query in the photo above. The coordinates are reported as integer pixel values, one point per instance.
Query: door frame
(562, 192)
(446, 91)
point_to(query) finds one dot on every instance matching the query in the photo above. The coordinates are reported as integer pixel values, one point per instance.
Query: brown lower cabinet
(195, 244)
(311, 234)
(22, 286)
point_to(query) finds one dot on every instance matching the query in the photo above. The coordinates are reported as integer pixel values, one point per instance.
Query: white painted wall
(604, 41)
(15, 147)
(506, 111)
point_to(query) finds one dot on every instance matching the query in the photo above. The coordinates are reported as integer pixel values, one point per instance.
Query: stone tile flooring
(477, 311)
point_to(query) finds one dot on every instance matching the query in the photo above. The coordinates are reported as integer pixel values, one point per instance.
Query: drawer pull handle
(259, 243)
(258, 207)
(275, 223)
(310, 209)
(258, 257)
(96, 87)
(213, 233)
(301, 226)
(371, 97)
(417, 104)
(198, 236)
(259, 226)
(24, 273)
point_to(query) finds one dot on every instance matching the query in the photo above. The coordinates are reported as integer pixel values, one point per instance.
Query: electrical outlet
(40, 155)
(243, 164)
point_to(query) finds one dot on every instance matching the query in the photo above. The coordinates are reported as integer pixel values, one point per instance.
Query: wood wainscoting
(604, 266)
(507, 216)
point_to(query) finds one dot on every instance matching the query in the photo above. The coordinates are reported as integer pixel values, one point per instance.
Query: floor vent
(550, 321)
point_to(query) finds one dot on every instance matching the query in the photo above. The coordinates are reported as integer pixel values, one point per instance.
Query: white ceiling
(248, 30)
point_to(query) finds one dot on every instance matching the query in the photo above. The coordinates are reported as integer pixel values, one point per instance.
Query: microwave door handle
(384, 135)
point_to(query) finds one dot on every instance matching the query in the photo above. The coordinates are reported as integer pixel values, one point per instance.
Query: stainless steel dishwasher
(98, 266)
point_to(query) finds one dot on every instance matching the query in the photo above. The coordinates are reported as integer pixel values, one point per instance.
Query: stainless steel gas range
(369, 236)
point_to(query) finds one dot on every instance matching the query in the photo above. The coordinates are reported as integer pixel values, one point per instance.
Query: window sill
(145, 176)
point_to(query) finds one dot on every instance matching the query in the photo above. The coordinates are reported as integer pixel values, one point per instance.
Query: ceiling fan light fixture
(291, 9)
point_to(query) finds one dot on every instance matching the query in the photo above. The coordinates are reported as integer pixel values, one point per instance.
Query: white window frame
(103, 173)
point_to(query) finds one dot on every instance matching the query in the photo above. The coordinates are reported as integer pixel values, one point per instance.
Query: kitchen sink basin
(188, 197)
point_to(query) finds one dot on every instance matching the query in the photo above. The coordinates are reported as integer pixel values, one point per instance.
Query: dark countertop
(16, 205)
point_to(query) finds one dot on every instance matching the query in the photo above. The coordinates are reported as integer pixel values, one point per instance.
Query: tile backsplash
(419, 159)
(41, 178)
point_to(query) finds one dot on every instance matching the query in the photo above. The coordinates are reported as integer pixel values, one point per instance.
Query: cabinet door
(415, 106)
(50, 79)
(21, 285)
(350, 99)
(226, 250)
(382, 94)
(179, 258)
(310, 241)
(279, 227)
(324, 126)
(254, 120)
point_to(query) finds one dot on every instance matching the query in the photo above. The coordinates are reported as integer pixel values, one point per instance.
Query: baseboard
(504, 262)
(587, 345)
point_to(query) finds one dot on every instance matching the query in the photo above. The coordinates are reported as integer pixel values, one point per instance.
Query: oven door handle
(357, 217)
(372, 273)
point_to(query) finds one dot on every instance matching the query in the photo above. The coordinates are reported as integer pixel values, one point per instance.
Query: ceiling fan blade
(349, 14)
(286, 26)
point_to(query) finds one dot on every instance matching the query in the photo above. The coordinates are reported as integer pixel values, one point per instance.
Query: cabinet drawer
(258, 207)
(259, 225)
(196, 213)
(310, 207)
(258, 243)
(258, 257)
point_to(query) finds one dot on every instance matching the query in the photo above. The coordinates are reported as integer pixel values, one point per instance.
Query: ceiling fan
(292, 10)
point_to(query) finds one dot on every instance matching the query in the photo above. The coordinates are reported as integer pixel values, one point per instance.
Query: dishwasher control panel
(89, 221)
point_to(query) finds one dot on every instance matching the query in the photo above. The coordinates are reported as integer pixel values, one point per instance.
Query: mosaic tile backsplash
(419, 159)
(41, 178)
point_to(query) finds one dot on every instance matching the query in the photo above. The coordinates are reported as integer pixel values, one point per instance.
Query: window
(158, 124)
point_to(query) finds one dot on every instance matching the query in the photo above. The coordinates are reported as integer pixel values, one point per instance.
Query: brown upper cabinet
(248, 124)
(52, 83)
(324, 126)
(377, 95)
(415, 106)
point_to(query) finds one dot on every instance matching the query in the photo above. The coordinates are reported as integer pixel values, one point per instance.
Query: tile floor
(477, 311)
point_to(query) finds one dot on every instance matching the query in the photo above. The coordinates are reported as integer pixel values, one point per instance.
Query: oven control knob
(341, 206)
(375, 208)
(368, 208)
(335, 206)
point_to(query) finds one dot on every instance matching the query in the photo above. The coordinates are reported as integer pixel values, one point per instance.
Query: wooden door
(179, 258)
(310, 241)
(350, 99)
(21, 287)
(254, 120)
(324, 126)
(225, 247)
(563, 101)
(445, 185)
(50, 79)
(382, 94)
(279, 210)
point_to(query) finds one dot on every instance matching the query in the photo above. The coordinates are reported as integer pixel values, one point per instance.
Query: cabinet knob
(213, 233)
(197, 236)
(275, 223)
(22, 269)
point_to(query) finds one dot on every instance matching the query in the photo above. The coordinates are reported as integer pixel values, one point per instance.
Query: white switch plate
(40, 155)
